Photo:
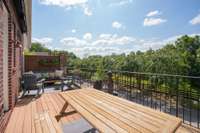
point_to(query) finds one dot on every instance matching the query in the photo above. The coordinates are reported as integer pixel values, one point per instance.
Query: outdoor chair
(67, 81)
(30, 82)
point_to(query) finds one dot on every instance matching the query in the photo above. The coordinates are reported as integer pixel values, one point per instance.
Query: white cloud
(69, 4)
(153, 21)
(153, 13)
(105, 40)
(195, 20)
(88, 11)
(107, 44)
(73, 30)
(45, 41)
(107, 36)
(72, 42)
(150, 20)
(63, 3)
(121, 3)
(87, 36)
(117, 25)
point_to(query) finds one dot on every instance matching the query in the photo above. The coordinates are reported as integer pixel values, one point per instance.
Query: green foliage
(37, 47)
(27, 52)
(99, 74)
(45, 62)
(181, 57)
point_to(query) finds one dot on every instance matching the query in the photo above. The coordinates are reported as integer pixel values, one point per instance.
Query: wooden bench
(35, 115)
(110, 114)
(46, 123)
(184, 128)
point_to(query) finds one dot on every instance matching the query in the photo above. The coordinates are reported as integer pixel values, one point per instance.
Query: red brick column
(14, 71)
(10, 62)
(4, 117)
(1, 72)
(1, 62)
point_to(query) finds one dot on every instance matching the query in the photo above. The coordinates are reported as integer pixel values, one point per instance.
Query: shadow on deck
(38, 115)
(34, 115)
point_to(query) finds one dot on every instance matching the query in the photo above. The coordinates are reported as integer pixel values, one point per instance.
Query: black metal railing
(173, 94)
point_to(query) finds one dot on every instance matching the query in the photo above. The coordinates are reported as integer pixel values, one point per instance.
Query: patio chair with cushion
(30, 82)
(53, 79)
(67, 81)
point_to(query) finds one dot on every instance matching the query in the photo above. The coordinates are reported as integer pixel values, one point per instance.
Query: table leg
(62, 85)
(62, 112)
(64, 108)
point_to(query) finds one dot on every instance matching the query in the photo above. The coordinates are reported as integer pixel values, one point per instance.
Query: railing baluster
(177, 95)
(190, 102)
(198, 105)
(152, 84)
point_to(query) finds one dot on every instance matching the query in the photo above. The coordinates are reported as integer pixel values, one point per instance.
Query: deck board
(83, 111)
(116, 123)
(33, 111)
(27, 119)
(26, 116)
(102, 108)
(37, 115)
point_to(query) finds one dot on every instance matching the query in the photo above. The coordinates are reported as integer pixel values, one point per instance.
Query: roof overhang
(20, 9)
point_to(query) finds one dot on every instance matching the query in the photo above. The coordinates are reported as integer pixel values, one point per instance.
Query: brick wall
(3, 117)
(1, 59)
(14, 55)
(1, 73)
(33, 63)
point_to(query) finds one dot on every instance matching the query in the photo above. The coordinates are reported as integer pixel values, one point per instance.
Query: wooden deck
(33, 115)
(112, 114)
(38, 115)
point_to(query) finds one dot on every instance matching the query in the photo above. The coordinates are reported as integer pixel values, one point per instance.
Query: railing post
(110, 82)
(177, 96)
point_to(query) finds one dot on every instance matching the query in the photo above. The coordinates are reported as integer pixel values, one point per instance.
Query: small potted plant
(98, 78)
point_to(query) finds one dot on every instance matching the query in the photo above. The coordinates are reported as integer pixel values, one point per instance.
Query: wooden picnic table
(111, 114)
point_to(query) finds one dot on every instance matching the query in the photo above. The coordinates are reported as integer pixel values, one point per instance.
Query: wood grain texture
(110, 113)
(37, 115)
(31, 113)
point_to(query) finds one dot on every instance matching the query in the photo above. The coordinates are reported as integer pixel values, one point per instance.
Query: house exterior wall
(5, 56)
(41, 63)
(27, 36)
(2, 19)
(11, 42)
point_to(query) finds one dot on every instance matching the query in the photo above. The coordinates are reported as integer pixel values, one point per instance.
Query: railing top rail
(158, 74)
(145, 73)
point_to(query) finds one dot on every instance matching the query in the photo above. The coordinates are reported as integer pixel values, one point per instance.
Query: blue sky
(103, 27)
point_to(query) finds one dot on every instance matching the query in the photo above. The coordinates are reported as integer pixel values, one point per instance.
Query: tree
(37, 47)
(181, 57)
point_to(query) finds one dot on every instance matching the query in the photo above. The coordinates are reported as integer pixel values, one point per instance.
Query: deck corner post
(110, 82)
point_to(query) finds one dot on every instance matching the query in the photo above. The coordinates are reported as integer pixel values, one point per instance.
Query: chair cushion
(58, 83)
(51, 75)
(67, 81)
(29, 72)
(58, 73)
(45, 75)
(39, 84)
(38, 75)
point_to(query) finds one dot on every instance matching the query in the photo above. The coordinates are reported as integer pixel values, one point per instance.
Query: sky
(104, 27)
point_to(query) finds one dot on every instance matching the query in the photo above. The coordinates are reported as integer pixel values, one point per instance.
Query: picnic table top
(110, 114)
